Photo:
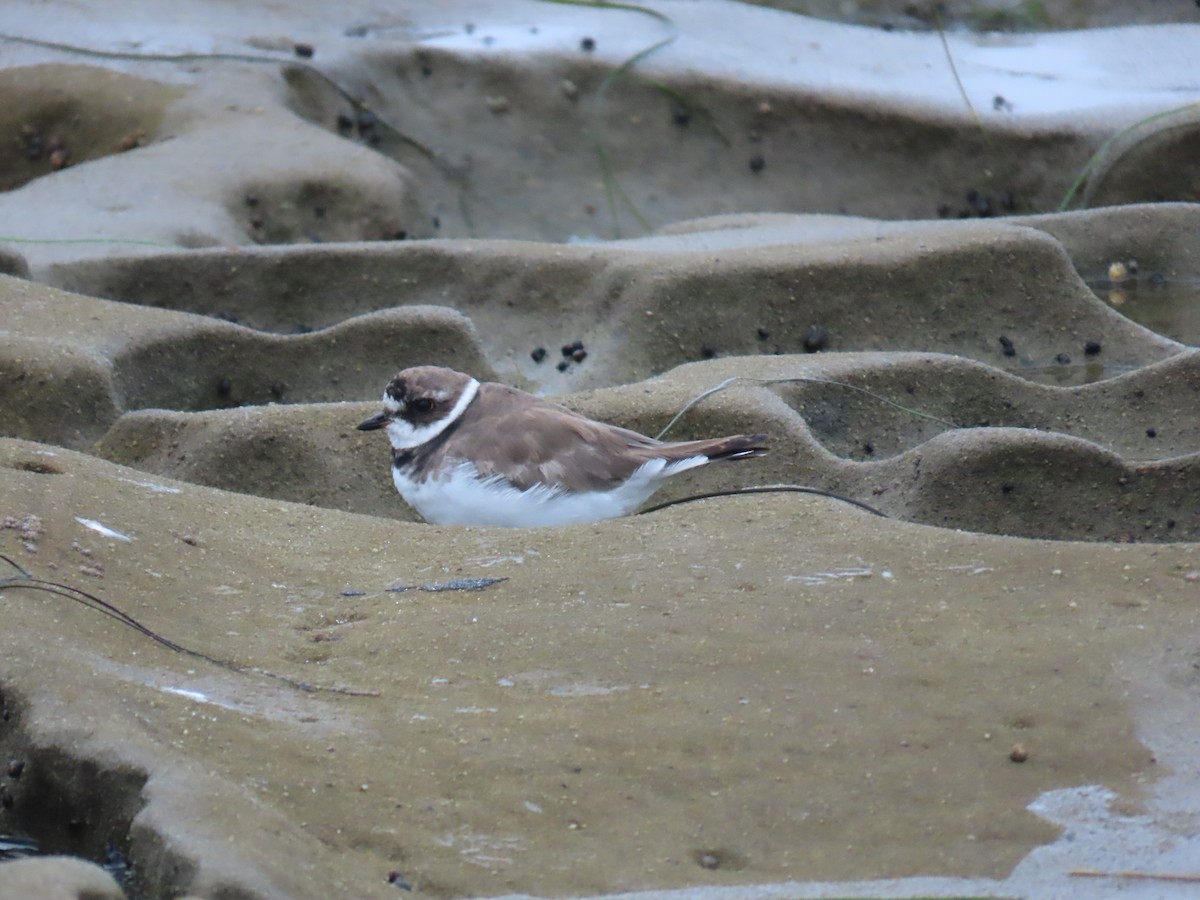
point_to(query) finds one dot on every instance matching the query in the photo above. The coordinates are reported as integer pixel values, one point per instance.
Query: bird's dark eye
(423, 405)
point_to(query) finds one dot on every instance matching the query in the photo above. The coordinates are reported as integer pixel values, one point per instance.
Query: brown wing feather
(539, 442)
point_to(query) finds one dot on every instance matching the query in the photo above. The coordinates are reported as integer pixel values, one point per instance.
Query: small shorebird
(471, 453)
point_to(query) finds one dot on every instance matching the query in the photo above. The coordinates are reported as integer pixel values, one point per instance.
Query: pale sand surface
(759, 696)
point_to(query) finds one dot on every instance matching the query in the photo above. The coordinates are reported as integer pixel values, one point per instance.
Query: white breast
(460, 497)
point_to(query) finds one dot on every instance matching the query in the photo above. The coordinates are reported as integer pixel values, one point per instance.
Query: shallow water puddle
(1170, 307)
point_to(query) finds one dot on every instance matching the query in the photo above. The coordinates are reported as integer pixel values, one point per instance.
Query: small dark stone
(251, 201)
(763, 334)
(352, 592)
(979, 204)
(257, 222)
(538, 354)
(6, 799)
(437, 223)
(365, 121)
(1007, 488)
(568, 349)
(34, 146)
(1170, 523)
(304, 51)
(888, 26)
(399, 880)
(868, 448)
(563, 366)
(681, 115)
(1006, 345)
(708, 351)
(399, 234)
(15, 769)
(587, 44)
(816, 339)
(319, 212)
(579, 355)
(276, 390)
(224, 387)
(1062, 359)
(1151, 432)
(426, 71)
(1091, 348)
(757, 164)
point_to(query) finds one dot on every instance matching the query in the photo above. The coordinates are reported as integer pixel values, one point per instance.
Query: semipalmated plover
(471, 453)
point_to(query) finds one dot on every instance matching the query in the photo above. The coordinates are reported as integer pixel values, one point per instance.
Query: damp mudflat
(752, 690)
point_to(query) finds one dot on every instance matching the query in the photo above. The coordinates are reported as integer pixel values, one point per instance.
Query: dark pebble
(365, 120)
(1007, 488)
(563, 366)
(538, 354)
(757, 164)
(979, 204)
(708, 351)
(15, 768)
(868, 448)
(568, 349)
(1062, 359)
(587, 44)
(399, 880)
(224, 387)
(763, 334)
(353, 592)
(304, 51)
(681, 115)
(1007, 346)
(1151, 432)
(579, 355)
(816, 339)
(1091, 348)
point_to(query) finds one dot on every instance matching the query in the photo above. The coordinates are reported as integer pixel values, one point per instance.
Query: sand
(225, 230)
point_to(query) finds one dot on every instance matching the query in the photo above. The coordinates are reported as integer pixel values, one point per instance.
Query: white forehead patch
(391, 405)
(404, 436)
